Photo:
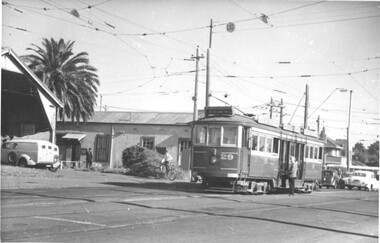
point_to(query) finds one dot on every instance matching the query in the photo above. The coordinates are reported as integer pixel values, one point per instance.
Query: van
(36, 153)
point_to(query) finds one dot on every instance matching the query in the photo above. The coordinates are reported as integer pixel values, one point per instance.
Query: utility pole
(318, 124)
(348, 132)
(208, 68)
(271, 108)
(195, 97)
(306, 106)
(281, 112)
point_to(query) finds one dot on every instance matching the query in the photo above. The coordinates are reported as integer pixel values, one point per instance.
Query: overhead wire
(152, 66)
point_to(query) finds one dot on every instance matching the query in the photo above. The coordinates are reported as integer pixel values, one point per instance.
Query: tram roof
(235, 119)
(248, 121)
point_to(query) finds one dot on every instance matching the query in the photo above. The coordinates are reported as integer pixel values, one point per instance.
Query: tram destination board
(219, 111)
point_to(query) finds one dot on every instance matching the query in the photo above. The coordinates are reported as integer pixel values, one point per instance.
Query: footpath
(17, 178)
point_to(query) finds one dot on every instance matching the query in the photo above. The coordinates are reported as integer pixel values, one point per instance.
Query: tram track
(210, 207)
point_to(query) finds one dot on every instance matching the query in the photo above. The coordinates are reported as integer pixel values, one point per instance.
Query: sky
(144, 51)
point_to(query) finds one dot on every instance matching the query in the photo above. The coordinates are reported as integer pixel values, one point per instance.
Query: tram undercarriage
(251, 186)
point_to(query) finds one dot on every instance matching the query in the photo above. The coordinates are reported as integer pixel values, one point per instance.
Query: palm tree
(68, 76)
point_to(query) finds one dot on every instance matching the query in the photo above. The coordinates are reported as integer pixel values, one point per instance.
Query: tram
(249, 156)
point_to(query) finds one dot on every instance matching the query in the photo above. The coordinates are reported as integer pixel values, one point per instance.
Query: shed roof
(8, 52)
(165, 118)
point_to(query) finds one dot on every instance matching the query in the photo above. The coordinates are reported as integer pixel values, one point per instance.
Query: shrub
(133, 155)
(140, 161)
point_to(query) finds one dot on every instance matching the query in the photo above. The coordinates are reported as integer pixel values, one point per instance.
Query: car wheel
(359, 188)
(22, 163)
(53, 169)
(12, 157)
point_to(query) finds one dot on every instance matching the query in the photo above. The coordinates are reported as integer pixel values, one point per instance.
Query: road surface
(163, 211)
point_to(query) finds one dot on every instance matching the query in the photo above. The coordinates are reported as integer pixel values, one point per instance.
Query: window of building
(147, 142)
(307, 152)
(183, 144)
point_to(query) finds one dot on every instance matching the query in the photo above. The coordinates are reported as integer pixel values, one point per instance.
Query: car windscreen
(360, 174)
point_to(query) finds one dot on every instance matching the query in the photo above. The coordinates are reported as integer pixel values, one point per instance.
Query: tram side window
(268, 147)
(261, 143)
(201, 132)
(320, 153)
(255, 139)
(311, 153)
(292, 149)
(214, 135)
(230, 135)
(276, 143)
(307, 152)
(316, 153)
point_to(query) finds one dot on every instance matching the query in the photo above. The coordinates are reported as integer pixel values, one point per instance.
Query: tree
(68, 76)
(373, 154)
(359, 152)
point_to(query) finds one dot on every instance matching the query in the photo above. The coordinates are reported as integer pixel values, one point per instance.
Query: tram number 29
(225, 156)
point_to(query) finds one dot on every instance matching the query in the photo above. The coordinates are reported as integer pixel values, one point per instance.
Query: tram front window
(214, 135)
(201, 132)
(230, 135)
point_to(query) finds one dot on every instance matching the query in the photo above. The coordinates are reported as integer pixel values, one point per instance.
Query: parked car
(363, 179)
(330, 178)
(36, 153)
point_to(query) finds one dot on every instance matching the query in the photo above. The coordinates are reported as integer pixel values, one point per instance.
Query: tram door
(284, 160)
(245, 155)
(301, 161)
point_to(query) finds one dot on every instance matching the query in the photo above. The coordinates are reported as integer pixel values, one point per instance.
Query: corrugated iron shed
(163, 118)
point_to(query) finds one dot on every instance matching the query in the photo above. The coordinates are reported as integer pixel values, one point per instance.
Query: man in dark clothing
(88, 158)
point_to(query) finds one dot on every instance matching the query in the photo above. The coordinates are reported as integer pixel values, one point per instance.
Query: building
(109, 133)
(334, 153)
(28, 107)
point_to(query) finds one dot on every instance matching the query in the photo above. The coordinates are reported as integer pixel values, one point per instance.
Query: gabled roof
(31, 76)
(163, 118)
(330, 143)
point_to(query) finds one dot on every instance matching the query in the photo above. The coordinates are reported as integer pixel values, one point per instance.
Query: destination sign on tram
(219, 111)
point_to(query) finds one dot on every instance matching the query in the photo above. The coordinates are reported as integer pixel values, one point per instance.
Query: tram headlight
(213, 152)
(213, 160)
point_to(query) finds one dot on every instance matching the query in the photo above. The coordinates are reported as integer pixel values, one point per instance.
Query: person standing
(88, 158)
(292, 175)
